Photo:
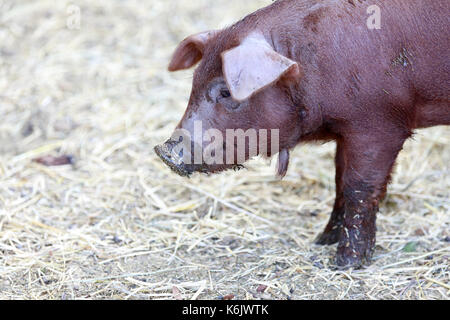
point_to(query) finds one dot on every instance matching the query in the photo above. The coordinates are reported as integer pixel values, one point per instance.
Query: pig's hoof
(328, 237)
(347, 262)
(347, 257)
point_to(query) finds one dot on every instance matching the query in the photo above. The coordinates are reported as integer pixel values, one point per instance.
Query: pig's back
(349, 64)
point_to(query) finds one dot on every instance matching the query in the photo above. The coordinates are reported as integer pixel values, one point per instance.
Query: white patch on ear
(253, 65)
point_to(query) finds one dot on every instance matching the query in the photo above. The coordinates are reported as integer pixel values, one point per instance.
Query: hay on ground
(118, 224)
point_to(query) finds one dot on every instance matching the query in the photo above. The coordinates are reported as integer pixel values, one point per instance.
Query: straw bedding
(115, 223)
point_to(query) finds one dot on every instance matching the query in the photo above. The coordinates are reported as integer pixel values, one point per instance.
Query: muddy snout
(173, 158)
(175, 155)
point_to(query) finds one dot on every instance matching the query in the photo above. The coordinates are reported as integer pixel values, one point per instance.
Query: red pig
(317, 70)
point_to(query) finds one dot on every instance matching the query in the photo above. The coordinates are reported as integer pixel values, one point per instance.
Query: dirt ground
(117, 224)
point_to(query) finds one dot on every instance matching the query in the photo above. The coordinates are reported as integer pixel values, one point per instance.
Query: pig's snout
(173, 159)
(172, 153)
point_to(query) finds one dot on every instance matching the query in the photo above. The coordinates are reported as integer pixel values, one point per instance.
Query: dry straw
(118, 224)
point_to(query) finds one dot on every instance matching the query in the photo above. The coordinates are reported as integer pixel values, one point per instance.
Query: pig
(318, 71)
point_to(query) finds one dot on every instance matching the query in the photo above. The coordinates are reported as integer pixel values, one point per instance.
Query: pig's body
(366, 89)
(398, 74)
(353, 72)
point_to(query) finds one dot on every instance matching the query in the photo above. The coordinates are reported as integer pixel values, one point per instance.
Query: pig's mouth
(174, 161)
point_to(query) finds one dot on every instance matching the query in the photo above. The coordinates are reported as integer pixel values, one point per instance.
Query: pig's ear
(253, 65)
(190, 51)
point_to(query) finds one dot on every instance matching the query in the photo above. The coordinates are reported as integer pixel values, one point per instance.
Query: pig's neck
(289, 41)
(309, 111)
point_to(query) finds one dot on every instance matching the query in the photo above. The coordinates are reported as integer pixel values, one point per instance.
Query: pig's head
(241, 89)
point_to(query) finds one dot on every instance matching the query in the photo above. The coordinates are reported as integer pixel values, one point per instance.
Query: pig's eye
(225, 93)
(222, 94)
(218, 93)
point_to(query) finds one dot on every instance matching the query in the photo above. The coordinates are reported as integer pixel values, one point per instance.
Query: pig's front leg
(369, 160)
(333, 229)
